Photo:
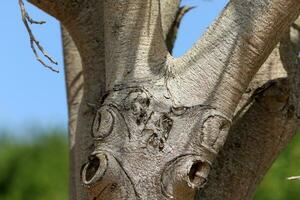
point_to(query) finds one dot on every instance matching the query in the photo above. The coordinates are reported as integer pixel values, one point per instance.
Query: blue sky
(31, 95)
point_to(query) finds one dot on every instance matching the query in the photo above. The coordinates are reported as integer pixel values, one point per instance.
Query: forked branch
(164, 122)
(33, 41)
(268, 123)
(160, 123)
(226, 58)
(253, 143)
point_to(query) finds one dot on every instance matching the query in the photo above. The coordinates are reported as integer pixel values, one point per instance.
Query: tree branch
(172, 34)
(88, 36)
(254, 142)
(63, 10)
(169, 10)
(289, 53)
(121, 45)
(86, 28)
(264, 127)
(85, 35)
(57, 8)
(33, 41)
(136, 26)
(226, 58)
(74, 86)
(293, 178)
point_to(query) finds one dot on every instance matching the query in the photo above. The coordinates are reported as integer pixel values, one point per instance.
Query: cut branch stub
(218, 125)
(95, 169)
(147, 142)
(183, 175)
(103, 123)
(106, 179)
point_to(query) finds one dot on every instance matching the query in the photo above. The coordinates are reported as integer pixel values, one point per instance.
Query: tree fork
(155, 132)
(268, 123)
(74, 83)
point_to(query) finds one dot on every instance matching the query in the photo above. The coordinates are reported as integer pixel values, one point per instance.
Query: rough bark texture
(169, 11)
(74, 82)
(154, 125)
(255, 140)
(266, 121)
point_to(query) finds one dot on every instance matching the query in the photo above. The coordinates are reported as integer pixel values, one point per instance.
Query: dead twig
(33, 42)
(293, 178)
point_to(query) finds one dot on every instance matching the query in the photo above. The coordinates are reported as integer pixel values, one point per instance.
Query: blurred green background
(275, 186)
(37, 168)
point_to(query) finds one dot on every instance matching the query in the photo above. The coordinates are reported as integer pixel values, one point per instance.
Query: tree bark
(254, 141)
(153, 125)
(74, 85)
(266, 121)
(74, 82)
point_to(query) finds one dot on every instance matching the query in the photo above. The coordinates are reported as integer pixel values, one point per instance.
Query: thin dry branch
(33, 41)
(293, 178)
(169, 9)
(172, 34)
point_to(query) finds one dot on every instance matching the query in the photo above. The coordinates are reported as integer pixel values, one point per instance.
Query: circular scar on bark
(183, 176)
(94, 169)
(103, 123)
(198, 174)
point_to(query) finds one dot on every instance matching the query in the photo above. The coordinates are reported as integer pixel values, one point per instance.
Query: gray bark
(267, 120)
(157, 123)
(74, 85)
(74, 82)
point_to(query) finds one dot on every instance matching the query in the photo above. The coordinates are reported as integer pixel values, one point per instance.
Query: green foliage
(37, 169)
(34, 170)
(275, 186)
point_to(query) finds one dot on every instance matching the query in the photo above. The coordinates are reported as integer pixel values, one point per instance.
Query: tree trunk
(74, 85)
(151, 126)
